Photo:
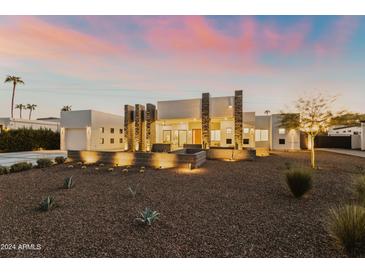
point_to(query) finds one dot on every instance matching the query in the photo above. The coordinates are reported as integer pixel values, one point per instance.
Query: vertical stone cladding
(150, 125)
(139, 127)
(238, 102)
(205, 120)
(128, 127)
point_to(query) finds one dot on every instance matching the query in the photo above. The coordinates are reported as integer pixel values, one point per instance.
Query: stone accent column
(150, 126)
(139, 127)
(238, 119)
(128, 127)
(205, 120)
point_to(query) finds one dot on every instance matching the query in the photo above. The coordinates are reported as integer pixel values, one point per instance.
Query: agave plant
(134, 190)
(148, 216)
(47, 204)
(68, 183)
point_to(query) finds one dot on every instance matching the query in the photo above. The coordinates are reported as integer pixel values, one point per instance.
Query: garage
(75, 139)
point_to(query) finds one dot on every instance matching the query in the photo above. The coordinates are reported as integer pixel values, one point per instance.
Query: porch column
(238, 119)
(150, 126)
(139, 127)
(128, 127)
(205, 120)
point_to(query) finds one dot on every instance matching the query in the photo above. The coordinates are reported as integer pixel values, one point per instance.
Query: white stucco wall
(73, 123)
(291, 136)
(17, 123)
(220, 107)
(179, 109)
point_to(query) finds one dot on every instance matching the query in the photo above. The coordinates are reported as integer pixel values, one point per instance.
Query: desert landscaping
(223, 209)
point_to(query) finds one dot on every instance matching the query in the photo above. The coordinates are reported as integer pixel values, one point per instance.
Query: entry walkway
(7, 159)
(351, 152)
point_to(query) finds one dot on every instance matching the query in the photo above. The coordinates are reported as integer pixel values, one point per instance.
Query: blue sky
(104, 62)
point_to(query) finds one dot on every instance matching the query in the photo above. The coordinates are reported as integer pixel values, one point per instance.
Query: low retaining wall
(150, 159)
(231, 154)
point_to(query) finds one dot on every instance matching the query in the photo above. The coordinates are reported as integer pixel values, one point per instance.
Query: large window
(101, 130)
(112, 130)
(101, 141)
(281, 130)
(215, 135)
(262, 135)
(246, 130)
(112, 140)
(166, 136)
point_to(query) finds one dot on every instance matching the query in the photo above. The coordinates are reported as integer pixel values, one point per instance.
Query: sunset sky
(104, 62)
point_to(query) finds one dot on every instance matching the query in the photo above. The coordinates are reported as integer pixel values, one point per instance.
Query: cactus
(47, 204)
(68, 183)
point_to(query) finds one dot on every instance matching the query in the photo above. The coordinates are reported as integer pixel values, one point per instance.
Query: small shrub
(20, 166)
(299, 181)
(68, 183)
(83, 167)
(101, 165)
(134, 190)
(70, 166)
(110, 169)
(96, 168)
(347, 227)
(41, 163)
(141, 171)
(148, 216)
(125, 170)
(4, 170)
(359, 187)
(47, 204)
(60, 160)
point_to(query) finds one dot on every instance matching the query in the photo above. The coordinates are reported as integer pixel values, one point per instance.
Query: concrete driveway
(351, 152)
(7, 159)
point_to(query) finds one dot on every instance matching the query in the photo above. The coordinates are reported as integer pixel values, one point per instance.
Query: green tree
(66, 108)
(31, 107)
(15, 80)
(312, 116)
(20, 107)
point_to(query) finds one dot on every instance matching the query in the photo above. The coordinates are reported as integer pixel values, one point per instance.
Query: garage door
(75, 139)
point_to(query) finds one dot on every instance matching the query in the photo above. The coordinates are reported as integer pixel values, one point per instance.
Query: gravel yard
(224, 209)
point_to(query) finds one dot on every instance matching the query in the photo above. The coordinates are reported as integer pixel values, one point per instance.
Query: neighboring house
(344, 130)
(207, 121)
(16, 123)
(91, 130)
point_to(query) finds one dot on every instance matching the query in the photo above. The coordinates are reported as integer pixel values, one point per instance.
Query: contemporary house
(208, 122)
(91, 130)
(344, 130)
(16, 123)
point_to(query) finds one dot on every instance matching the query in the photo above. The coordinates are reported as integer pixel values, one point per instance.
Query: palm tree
(15, 80)
(20, 107)
(66, 108)
(267, 112)
(31, 107)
